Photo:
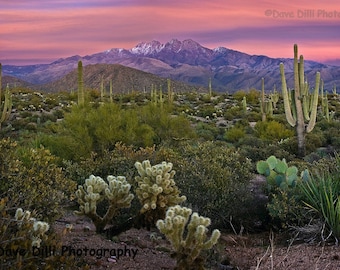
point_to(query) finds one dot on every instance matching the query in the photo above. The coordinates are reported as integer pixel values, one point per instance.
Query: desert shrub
(238, 95)
(39, 183)
(257, 149)
(118, 161)
(285, 208)
(252, 95)
(99, 128)
(233, 112)
(165, 126)
(51, 117)
(314, 140)
(206, 131)
(234, 134)
(66, 147)
(31, 126)
(22, 235)
(272, 130)
(253, 116)
(214, 178)
(206, 110)
(9, 164)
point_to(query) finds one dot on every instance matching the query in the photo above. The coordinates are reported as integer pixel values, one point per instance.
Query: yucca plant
(321, 194)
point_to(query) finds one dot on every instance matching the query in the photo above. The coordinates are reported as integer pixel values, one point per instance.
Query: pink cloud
(32, 29)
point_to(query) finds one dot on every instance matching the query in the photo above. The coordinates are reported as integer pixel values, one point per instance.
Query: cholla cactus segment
(97, 183)
(90, 194)
(19, 213)
(38, 229)
(156, 186)
(118, 191)
(188, 248)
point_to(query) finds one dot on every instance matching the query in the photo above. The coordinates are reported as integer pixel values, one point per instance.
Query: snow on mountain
(183, 60)
(146, 48)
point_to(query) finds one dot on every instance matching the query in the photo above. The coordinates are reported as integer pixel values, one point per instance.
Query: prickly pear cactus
(156, 189)
(277, 172)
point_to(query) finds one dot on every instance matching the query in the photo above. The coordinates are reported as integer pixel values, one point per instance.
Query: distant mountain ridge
(185, 61)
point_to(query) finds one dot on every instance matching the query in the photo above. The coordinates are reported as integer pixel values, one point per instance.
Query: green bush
(257, 149)
(214, 177)
(38, 183)
(206, 131)
(234, 134)
(22, 235)
(272, 131)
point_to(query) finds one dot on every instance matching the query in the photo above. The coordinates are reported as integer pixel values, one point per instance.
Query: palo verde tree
(299, 105)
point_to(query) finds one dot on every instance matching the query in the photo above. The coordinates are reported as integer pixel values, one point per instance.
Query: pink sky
(36, 31)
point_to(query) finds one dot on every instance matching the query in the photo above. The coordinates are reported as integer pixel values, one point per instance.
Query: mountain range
(182, 61)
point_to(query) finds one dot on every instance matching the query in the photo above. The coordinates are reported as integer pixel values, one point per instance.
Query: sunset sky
(42, 31)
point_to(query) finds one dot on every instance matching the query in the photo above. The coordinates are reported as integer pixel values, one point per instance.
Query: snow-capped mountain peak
(146, 48)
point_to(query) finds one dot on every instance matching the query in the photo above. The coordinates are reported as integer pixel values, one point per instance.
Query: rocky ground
(142, 249)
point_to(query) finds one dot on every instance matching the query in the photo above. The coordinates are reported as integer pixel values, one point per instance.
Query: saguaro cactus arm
(312, 120)
(288, 111)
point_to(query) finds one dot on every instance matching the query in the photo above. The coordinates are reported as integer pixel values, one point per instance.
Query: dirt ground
(142, 249)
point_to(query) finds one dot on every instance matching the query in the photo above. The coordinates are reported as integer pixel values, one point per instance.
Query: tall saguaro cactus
(298, 102)
(262, 101)
(7, 107)
(81, 94)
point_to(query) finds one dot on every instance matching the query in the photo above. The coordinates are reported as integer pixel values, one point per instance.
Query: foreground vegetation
(50, 145)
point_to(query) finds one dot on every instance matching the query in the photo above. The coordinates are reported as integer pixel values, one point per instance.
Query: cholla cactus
(187, 249)
(37, 231)
(156, 189)
(95, 189)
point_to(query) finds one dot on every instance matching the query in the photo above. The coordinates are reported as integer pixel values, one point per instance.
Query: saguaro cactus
(265, 104)
(102, 92)
(298, 102)
(274, 97)
(111, 94)
(81, 94)
(170, 92)
(244, 104)
(7, 107)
